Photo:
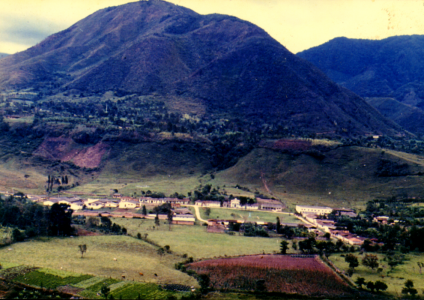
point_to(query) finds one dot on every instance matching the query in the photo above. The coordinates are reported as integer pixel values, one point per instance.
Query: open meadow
(196, 242)
(394, 279)
(132, 257)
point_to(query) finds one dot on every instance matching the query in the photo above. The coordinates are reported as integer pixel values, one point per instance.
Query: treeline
(29, 219)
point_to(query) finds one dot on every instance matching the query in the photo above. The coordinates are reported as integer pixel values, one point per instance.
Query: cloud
(24, 32)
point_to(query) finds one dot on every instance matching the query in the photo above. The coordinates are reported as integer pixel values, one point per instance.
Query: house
(128, 199)
(129, 204)
(207, 203)
(150, 200)
(317, 210)
(77, 205)
(50, 202)
(235, 203)
(381, 219)
(182, 211)
(270, 204)
(344, 212)
(95, 205)
(68, 201)
(183, 219)
(110, 203)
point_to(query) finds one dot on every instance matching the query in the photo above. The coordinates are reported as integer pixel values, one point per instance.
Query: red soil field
(282, 274)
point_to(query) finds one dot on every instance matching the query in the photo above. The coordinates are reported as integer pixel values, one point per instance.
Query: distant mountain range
(388, 68)
(230, 67)
(3, 55)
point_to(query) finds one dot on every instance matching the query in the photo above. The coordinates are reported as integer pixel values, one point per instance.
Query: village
(312, 218)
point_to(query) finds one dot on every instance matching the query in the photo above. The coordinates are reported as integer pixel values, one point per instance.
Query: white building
(317, 210)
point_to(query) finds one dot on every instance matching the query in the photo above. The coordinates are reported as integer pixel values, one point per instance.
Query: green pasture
(248, 216)
(132, 257)
(195, 241)
(394, 279)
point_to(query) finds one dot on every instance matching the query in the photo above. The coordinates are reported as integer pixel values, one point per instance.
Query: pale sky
(296, 24)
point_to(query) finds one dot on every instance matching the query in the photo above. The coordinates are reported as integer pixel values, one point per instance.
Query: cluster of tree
(105, 225)
(406, 233)
(372, 286)
(52, 180)
(30, 219)
(253, 229)
(206, 192)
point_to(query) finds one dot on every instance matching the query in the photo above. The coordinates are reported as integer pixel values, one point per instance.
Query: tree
(157, 223)
(370, 261)
(284, 246)
(17, 235)
(170, 216)
(144, 211)
(380, 286)
(207, 211)
(82, 249)
(60, 220)
(352, 260)
(409, 288)
(105, 291)
(360, 281)
(294, 245)
(278, 225)
(371, 286)
(161, 252)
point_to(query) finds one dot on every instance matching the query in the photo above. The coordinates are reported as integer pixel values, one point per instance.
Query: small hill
(230, 67)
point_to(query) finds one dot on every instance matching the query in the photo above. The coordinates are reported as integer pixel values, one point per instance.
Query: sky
(296, 24)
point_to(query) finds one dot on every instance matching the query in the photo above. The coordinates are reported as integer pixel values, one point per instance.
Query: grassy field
(196, 242)
(249, 216)
(133, 256)
(395, 280)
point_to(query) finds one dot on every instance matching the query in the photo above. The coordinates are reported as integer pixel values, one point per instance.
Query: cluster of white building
(77, 203)
(313, 215)
(262, 204)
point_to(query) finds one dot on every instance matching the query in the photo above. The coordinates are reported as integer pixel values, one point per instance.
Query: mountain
(3, 55)
(409, 117)
(392, 67)
(227, 67)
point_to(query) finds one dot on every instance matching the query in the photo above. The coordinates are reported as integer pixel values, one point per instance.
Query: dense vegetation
(30, 219)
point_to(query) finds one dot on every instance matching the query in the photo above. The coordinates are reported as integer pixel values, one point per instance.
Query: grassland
(196, 242)
(249, 216)
(133, 256)
(394, 279)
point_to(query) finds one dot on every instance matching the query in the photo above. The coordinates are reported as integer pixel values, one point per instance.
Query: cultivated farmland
(273, 273)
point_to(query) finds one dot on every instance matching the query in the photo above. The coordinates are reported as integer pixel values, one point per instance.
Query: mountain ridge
(231, 67)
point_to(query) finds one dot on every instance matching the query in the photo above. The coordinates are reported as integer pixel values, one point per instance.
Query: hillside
(408, 116)
(224, 66)
(391, 67)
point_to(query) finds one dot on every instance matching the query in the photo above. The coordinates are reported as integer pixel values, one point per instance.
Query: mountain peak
(228, 66)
